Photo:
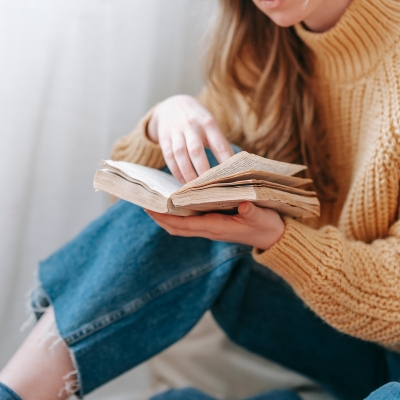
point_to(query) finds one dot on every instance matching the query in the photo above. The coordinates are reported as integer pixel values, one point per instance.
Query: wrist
(275, 235)
(280, 230)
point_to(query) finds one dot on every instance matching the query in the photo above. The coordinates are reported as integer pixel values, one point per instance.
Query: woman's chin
(281, 12)
(284, 21)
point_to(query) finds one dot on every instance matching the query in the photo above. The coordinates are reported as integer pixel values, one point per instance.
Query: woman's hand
(183, 127)
(254, 226)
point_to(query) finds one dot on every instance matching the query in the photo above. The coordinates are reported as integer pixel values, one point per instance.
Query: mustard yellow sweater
(347, 266)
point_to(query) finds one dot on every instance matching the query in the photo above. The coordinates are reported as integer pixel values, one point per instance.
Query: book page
(154, 179)
(136, 193)
(242, 162)
(222, 199)
(133, 192)
(248, 182)
(286, 181)
(232, 206)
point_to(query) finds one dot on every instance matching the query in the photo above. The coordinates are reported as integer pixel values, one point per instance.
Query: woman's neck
(326, 15)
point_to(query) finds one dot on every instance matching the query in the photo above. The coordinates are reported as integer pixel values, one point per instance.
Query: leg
(121, 263)
(194, 394)
(34, 360)
(261, 313)
(124, 290)
(391, 391)
(182, 394)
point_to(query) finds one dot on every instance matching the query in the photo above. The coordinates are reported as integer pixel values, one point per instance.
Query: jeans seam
(138, 303)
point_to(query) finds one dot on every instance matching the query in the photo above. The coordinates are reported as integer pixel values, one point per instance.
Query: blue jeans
(390, 391)
(193, 394)
(124, 289)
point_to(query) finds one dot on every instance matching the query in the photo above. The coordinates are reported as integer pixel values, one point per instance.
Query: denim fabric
(7, 394)
(182, 394)
(124, 290)
(193, 394)
(390, 391)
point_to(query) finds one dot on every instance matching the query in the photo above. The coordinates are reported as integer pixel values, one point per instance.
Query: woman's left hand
(254, 226)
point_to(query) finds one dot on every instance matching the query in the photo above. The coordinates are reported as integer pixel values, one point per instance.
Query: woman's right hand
(183, 127)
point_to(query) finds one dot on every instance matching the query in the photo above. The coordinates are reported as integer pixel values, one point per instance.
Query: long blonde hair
(273, 70)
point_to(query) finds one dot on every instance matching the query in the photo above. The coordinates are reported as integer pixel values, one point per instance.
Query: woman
(325, 92)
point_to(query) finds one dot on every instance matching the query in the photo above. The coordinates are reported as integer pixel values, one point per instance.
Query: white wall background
(74, 76)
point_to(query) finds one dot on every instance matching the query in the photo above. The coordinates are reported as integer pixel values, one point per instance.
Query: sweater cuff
(300, 255)
(138, 148)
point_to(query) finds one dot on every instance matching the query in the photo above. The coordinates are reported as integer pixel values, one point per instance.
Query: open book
(243, 177)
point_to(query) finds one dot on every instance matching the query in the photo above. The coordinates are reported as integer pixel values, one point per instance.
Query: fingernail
(246, 209)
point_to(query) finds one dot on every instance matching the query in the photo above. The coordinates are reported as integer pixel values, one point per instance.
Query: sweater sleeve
(352, 285)
(137, 148)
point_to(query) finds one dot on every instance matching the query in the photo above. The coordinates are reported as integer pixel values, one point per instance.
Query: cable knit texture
(346, 266)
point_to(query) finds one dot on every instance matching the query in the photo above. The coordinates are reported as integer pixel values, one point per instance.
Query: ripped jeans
(124, 289)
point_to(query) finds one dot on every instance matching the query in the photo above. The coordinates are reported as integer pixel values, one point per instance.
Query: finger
(249, 211)
(200, 225)
(166, 148)
(182, 157)
(173, 221)
(195, 148)
(218, 143)
(174, 225)
(254, 215)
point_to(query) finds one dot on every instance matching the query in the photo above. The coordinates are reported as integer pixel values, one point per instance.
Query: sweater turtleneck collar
(349, 50)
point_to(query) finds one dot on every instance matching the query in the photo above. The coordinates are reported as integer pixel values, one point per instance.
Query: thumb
(248, 210)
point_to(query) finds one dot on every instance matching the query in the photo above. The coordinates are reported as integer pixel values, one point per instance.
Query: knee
(390, 391)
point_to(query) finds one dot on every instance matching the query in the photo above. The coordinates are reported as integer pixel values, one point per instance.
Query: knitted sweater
(346, 267)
